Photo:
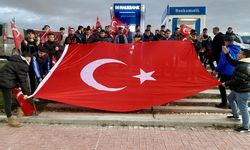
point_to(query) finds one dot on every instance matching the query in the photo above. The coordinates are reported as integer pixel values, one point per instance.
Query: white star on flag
(143, 76)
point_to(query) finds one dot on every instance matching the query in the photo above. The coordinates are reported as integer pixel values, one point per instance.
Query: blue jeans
(240, 99)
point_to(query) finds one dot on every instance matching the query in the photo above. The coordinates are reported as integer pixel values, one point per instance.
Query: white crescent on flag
(114, 24)
(88, 78)
(186, 30)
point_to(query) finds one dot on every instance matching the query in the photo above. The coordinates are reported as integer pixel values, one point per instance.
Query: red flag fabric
(125, 77)
(116, 23)
(17, 36)
(69, 29)
(27, 108)
(185, 30)
(98, 23)
(44, 37)
(53, 61)
(92, 29)
(40, 33)
(4, 34)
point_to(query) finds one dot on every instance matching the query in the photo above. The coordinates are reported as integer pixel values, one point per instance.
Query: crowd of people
(221, 49)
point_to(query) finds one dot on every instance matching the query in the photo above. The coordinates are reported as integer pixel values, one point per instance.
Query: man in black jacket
(147, 36)
(14, 73)
(240, 85)
(230, 33)
(176, 35)
(102, 37)
(217, 44)
(54, 49)
(30, 43)
(88, 37)
(72, 38)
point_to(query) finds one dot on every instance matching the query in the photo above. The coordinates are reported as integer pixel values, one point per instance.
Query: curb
(145, 120)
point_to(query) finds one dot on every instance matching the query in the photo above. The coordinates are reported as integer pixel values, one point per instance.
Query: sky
(56, 13)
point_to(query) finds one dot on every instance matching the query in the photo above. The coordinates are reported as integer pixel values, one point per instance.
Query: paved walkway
(53, 137)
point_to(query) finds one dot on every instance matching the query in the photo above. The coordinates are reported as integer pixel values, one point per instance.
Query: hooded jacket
(30, 48)
(15, 72)
(240, 81)
(224, 66)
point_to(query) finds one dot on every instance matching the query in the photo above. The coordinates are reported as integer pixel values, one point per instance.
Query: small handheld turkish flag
(98, 23)
(185, 30)
(44, 37)
(17, 36)
(125, 77)
(116, 23)
(69, 27)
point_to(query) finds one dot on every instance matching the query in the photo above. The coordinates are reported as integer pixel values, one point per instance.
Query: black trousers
(33, 81)
(223, 94)
(210, 61)
(7, 96)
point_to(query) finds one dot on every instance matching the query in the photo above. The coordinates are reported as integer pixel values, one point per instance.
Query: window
(246, 39)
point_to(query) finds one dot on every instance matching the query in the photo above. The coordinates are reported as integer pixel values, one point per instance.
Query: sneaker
(234, 118)
(223, 106)
(242, 130)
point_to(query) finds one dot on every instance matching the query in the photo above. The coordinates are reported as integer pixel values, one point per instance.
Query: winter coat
(240, 81)
(217, 44)
(121, 39)
(72, 40)
(146, 38)
(224, 66)
(176, 37)
(30, 48)
(206, 44)
(197, 45)
(51, 47)
(15, 73)
(79, 34)
(90, 39)
(232, 35)
(157, 37)
(104, 39)
(137, 38)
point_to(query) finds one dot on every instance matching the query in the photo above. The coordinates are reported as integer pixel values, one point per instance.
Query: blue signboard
(187, 11)
(199, 10)
(128, 13)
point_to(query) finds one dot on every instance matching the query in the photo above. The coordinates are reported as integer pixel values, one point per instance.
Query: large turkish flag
(125, 77)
